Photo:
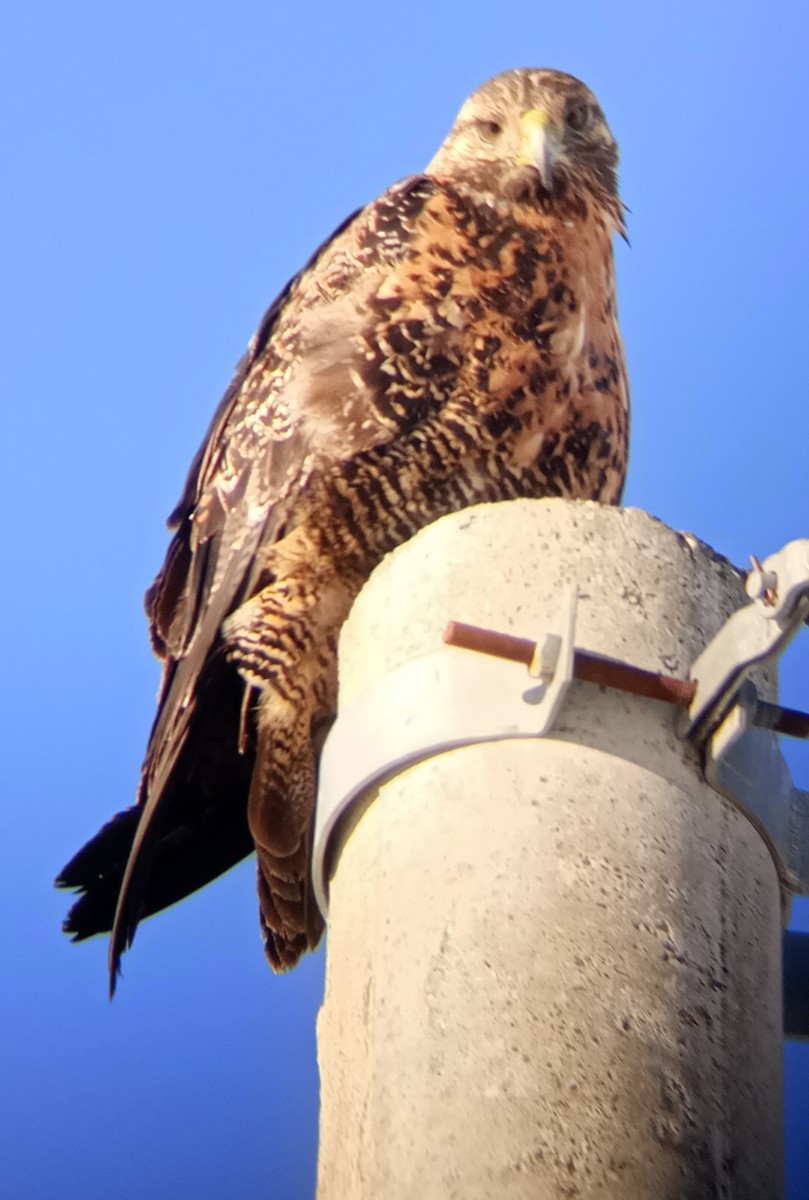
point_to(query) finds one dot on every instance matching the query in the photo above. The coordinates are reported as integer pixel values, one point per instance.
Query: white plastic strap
(425, 707)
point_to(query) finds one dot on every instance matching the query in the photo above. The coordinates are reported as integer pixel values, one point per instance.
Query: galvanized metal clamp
(736, 729)
(779, 592)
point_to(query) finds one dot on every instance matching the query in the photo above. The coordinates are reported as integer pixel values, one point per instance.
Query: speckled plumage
(454, 342)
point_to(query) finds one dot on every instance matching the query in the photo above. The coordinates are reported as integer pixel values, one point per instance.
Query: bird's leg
(280, 817)
(283, 642)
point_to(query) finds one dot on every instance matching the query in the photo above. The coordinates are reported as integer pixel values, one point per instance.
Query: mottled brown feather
(455, 341)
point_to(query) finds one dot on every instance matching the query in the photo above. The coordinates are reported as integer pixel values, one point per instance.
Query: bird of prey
(453, 342)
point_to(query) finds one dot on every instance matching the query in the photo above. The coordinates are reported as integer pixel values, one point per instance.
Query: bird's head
(531, 134)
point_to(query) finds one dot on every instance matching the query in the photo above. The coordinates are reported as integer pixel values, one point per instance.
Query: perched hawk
(454, 342)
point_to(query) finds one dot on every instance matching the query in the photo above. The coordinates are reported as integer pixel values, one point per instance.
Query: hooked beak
(539, 144)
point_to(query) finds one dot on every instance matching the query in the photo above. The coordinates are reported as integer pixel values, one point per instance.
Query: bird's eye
(489, 129)
(577, 116)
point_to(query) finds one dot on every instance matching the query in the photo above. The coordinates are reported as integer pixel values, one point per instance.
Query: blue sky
(165, 168)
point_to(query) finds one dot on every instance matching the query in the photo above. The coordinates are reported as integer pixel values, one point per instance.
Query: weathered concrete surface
(553, 965)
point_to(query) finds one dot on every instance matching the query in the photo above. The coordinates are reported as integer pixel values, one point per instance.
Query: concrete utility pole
(553, 963)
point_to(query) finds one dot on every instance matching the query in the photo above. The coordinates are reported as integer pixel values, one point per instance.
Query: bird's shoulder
(343, 267)
(298, 362)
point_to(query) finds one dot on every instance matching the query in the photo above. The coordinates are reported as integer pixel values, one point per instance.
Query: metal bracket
(471, 700)
(745, 764)
(743, 761)
(779, 590)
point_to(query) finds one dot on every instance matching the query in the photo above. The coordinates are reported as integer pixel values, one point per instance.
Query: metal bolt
(760, 584)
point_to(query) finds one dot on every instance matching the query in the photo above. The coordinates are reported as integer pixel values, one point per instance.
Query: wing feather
(241, 493)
